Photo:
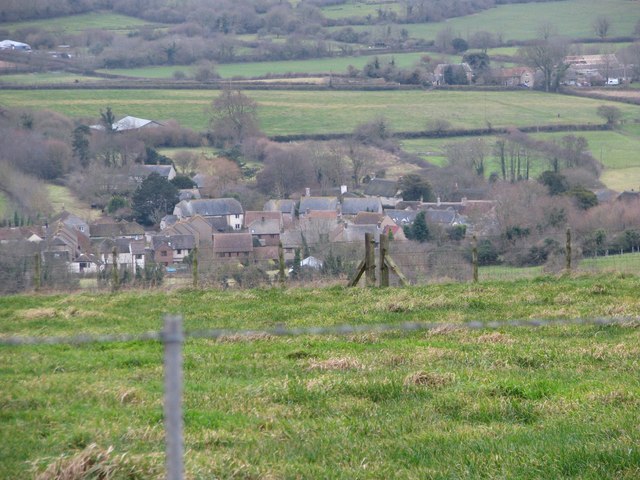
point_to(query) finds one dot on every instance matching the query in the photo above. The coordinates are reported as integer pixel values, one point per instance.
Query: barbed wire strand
(282, 331)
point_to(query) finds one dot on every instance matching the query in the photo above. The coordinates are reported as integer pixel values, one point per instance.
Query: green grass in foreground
(555, 402)
(85, 21)
(292, 112)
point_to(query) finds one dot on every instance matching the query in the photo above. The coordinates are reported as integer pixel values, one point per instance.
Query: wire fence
(173, 337)
(517, 254)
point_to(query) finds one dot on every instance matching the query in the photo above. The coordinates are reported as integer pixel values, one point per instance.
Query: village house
(233, 246)
(129, 253)
(287, 209)
(108, 228)
(139, 172)
(266, 231)
(515, 77)
(387, 191)
(350, 207)
(313, 204)
(170, 249)
(228, 209)
(588, 70)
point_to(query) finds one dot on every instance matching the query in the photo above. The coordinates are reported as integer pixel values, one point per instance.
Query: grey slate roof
(113, 230)
(264, 227)
(318, 203)
(401, 217)
(381, 187)
(284, 206)
(232, 242)
(216, 207)
(176, 242)
(351, 206)
(445, 217)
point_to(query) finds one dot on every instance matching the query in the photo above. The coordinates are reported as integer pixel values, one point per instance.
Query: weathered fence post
(37, 274)
(281, 273)
(194, 267)
(384, 267)
(173, 337)
(568, 251)
(370, 259)
(115, 274)
(474, 259)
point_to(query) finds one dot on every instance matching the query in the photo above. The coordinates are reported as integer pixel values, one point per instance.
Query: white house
(228, 209)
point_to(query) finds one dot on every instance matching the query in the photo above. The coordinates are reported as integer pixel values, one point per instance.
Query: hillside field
(300, 112)
(572, 18)
(518, 403)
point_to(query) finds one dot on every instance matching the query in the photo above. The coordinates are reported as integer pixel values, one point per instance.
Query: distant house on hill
(516, 77)
(13, 45)
(228, 209)
(140, 172)
(129, 123)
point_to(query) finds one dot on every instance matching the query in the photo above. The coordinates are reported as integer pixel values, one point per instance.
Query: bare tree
(185, 162)
(547, 54)
(234, 117)
(601, 26)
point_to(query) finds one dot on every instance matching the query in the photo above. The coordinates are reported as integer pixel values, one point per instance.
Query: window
(179, 252)
(163, 253)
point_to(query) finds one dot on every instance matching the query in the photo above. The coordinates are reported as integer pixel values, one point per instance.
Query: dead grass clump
(245, 338)
(444, 330)
(429, 379)
(495, 337)
(92, 462)
(128, 396)
(345, 363)
(365, 338)
(38, 313)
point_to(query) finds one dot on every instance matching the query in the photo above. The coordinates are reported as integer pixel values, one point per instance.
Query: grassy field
(617, 150)
(45, 78)
(555, 402)
(86, 21)
(63, 199)
(360, 9)
(337, 65)
(573, 18)
(4, 205)
(291, 112)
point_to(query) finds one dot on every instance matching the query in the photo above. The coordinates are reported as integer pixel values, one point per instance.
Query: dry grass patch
(37, 313)
(344, 363)
(429, 379)
(495, 337)
(95, 462)
(251, 337)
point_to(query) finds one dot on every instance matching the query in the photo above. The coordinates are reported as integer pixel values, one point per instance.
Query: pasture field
(73, 24)
(554, 402)
(573, 18)
(306, 112)
(45, 78)
(63, 199)
(617, 150)
(336, 65)
(360, 9)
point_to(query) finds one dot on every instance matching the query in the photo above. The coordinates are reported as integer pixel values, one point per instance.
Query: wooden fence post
(384, 267)
(194, 267)
(281, 274)
(370, 259)
(37, 274)
(568, 251)
(474, 259)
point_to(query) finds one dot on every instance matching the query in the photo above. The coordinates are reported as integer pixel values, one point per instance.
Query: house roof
(318, 203)
(176, 242)
(355, 233)
(368, 218)
(200, 179)
(351, 206)
(283, 206)
(253, 215)
(13, 45)
(133, 123)
(264, 227)
(232, 242)
(381, 187)
(215, 207)
(445, 217)
(13, 234)
(146, 170)
(291, 239)
(401, 217)
(117, 229)
(189, 194)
